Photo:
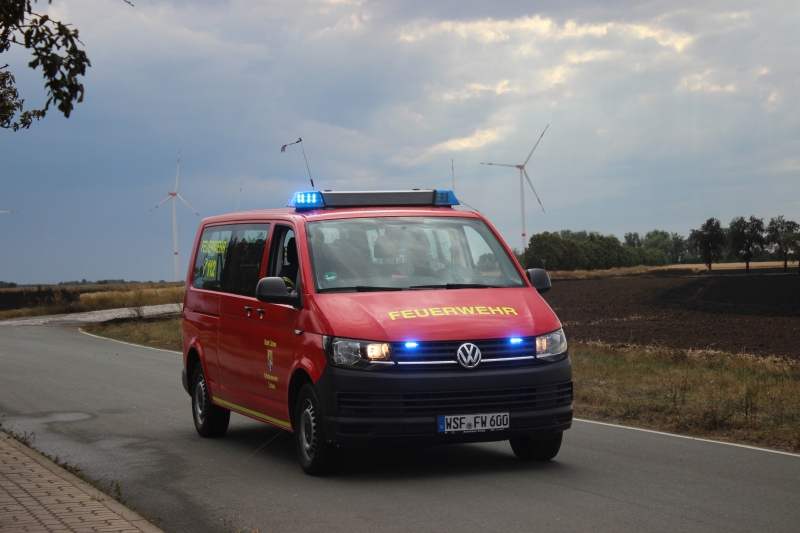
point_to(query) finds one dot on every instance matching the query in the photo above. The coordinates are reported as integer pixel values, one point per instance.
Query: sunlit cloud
(701, 82)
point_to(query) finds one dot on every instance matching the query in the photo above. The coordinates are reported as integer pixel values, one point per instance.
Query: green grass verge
(157, 332)
(704, 393)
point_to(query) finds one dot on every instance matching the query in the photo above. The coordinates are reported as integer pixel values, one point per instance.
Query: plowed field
(753, 314)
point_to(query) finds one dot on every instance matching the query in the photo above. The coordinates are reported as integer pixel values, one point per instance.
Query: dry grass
(157, 332)
(135, 296)
(735, 397)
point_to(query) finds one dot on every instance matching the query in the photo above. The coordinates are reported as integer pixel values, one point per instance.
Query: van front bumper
(362, 406)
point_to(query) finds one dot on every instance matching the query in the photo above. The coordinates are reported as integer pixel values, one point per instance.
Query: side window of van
(211, 258)
(242, 268)
(229, 258)
(283, 256)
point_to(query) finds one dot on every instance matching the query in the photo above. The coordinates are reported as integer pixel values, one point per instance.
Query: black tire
(209, 420)
(318, 457)
(530, 449)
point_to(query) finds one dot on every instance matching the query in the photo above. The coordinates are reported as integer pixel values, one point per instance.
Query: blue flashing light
(515, 340)
(306, 200)
(412, 344)
(445, 197)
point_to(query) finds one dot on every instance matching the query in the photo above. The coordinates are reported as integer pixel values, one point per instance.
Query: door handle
(248, 309)
(260, 313)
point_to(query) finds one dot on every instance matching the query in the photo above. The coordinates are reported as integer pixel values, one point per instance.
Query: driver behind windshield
(418, 253)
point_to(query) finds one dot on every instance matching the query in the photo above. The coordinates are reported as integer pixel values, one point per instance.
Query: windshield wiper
(361, 288)
(456, 286)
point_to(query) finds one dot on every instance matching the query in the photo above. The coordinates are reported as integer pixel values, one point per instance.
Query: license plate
(462, 423)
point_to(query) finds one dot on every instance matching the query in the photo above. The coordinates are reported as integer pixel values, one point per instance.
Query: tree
(560, 254)
(709, 241)
(658, 240)
(782, 238)
(633, 240)
(747, 239)
(55, 48)
(487, 263)
(679, 247)
(578, 236)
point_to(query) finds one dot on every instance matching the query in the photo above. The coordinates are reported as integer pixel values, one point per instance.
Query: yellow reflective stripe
(250, 412)
(287, 280)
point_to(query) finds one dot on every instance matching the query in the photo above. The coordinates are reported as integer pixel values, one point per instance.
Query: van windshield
(407, 253)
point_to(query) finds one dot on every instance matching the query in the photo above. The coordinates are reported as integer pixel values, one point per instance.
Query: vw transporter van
(372, 317)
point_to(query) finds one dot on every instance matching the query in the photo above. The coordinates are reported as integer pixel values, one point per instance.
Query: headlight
(353, 353)
(551, 346)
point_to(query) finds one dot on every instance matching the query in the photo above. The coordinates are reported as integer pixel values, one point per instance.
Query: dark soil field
(758, 314)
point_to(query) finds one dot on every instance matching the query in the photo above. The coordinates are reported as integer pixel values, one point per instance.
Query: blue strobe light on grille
(515, 340)
(411, 344)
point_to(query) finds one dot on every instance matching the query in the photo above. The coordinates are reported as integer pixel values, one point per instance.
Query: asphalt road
(119, 412)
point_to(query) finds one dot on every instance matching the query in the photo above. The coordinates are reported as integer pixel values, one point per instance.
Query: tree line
(743, 240)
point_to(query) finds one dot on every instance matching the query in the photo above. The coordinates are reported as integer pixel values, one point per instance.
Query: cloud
(474, 90)
(491, 31)
(700, 82)
(654, 110)
(480, 138)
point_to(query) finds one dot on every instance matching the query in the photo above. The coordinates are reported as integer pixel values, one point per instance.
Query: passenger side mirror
(540, 279)
(273, 291)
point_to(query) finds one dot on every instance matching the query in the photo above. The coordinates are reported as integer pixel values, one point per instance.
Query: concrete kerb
(112, 505)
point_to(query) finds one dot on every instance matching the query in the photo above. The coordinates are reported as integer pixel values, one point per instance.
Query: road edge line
(127, 514)
(687, 437)
(128, 343)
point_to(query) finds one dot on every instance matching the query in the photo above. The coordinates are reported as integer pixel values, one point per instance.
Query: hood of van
(435, 315)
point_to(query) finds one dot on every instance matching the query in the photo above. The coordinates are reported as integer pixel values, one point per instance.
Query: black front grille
(494, 353)
(455, 402)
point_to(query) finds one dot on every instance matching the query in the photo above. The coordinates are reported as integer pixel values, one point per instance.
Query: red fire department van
(372, 317)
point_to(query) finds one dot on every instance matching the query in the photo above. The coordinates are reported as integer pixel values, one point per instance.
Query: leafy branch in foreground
(56, 48)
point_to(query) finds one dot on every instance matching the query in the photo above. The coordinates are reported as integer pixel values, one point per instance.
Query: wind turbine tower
(175, 196)
(522, 172)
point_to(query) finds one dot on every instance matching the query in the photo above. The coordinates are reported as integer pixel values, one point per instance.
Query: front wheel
(529, 449)
(209, 420)
(317, 456)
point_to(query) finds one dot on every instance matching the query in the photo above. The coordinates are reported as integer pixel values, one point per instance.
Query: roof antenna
(240, 195)
(300, 140)
(453, 170)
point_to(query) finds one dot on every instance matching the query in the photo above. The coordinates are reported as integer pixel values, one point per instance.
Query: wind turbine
(6, 212)
(173, 196)
(521, 187)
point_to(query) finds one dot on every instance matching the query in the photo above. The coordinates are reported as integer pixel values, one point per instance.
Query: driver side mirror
(540, 279)
(273, 291)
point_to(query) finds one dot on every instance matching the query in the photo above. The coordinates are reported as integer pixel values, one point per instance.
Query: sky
(661, 114)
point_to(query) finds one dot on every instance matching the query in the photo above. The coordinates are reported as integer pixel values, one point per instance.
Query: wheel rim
(200, 401)
(308, 433)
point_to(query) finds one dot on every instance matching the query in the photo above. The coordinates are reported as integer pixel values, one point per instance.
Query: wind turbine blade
(500, 165)
(178, 172)
(167, 199)
(178, 196)
(534, 190)
(534, 147)
(239, 201)
(6, 212)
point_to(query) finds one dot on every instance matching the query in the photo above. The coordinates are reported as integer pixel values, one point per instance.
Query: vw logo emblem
(468, 355)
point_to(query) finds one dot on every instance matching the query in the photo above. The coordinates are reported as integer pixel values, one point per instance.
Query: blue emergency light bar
(413, 198)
